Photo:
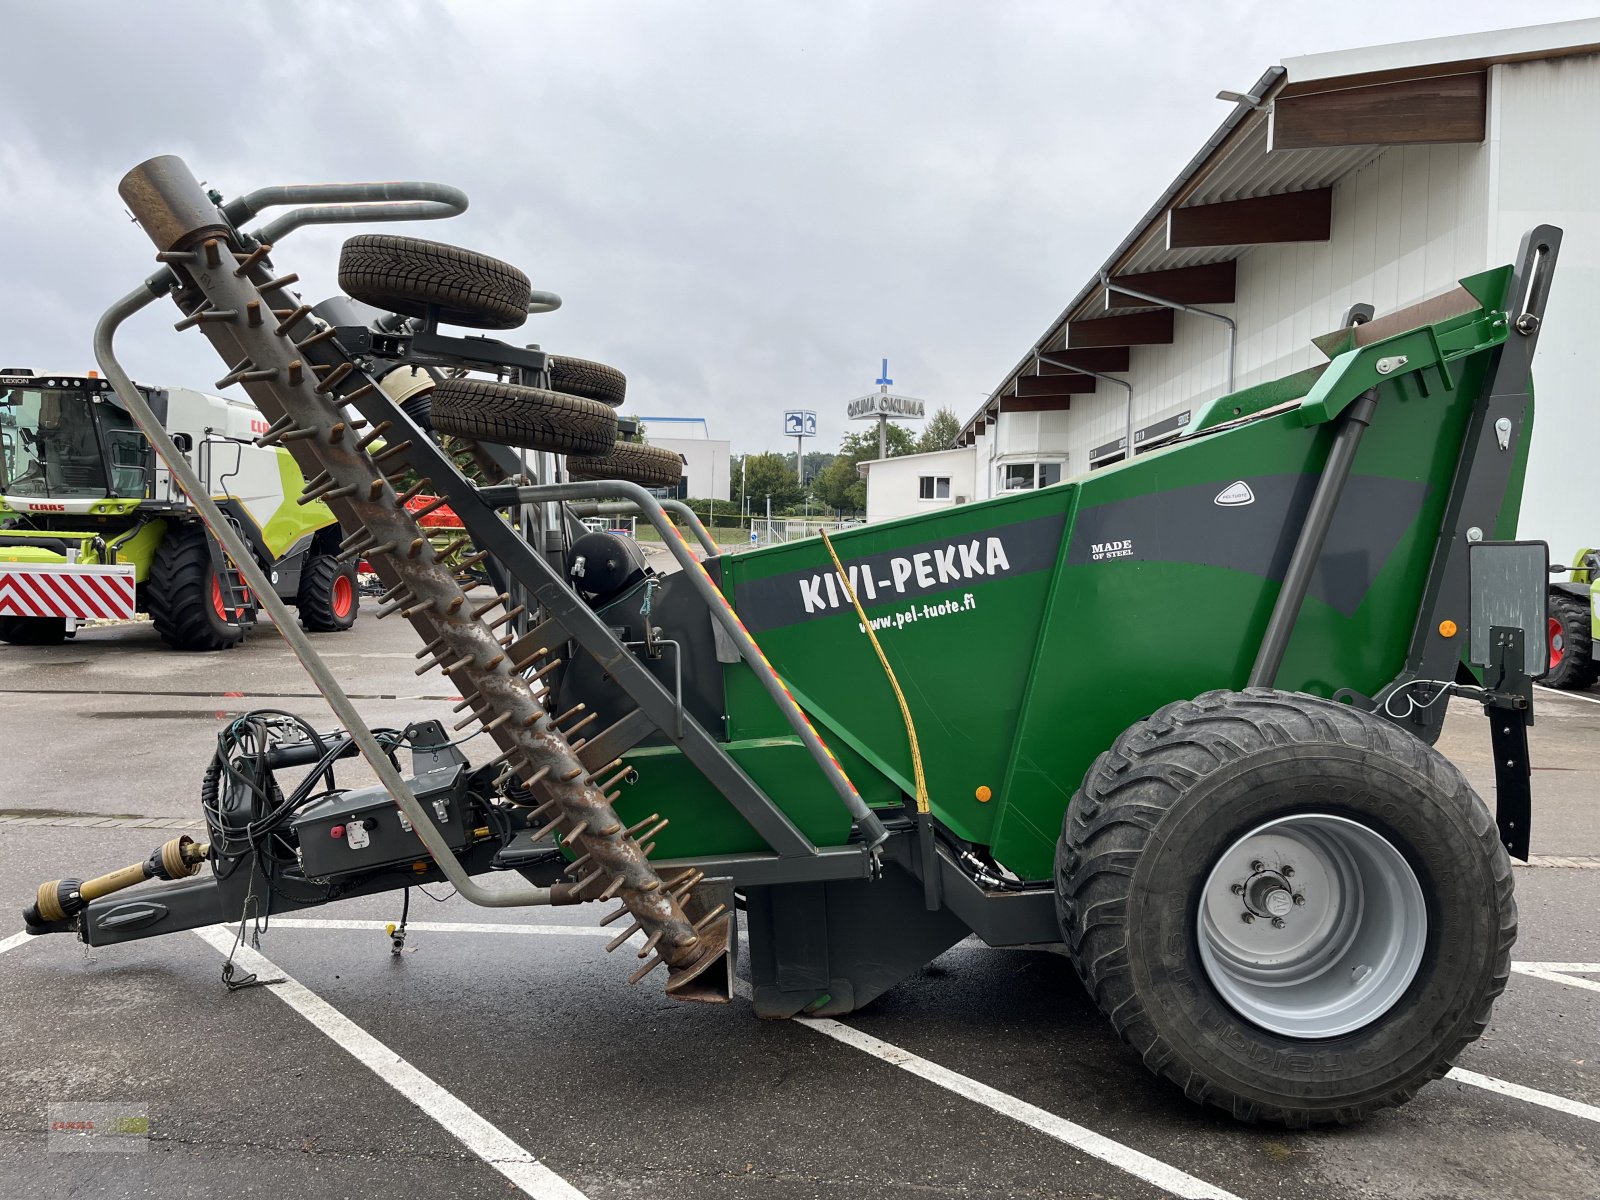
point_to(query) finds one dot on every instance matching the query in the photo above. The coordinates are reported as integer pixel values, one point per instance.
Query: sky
(745, 206)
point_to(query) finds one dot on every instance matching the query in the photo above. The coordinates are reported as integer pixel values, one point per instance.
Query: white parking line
(1552, 976)
(15, 940)
(1550, 691)
(455, 1117)
(1489, 1083)
(1152, 1170)
(445, 927)
(1562, 968)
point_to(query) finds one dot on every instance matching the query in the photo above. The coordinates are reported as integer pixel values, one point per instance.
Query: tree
(840, 485)
(939, 432)
(770, 474)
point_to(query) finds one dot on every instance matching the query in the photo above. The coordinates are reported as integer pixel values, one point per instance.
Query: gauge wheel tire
(1207, 787)
(596, 381)
(33, 631)
(409, 275)
(327, 600)
(1572, 665)
(648, 466)
(532, 418)
(184, 596)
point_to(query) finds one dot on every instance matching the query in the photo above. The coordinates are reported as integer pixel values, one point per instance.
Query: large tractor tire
(184, 595)
(409, 276)
(1290, 908)
(33, 631)
(1572, 665)
(596, 381)
(648, 466)
(522, 416)
(328, 598)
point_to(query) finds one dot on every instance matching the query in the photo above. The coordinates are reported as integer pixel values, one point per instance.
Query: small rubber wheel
(33, 631)
(184, 596)
(580, 377)
(409, 275)
(1572, 665)
(1290, 908)
(513, 415)
(636, 462)
(327, 598)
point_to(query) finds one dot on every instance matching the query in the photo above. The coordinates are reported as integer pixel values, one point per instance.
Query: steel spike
(249, 260)
(316, 338)
(622, 937)
(598, 771)
(333, 380)
(710, 917)
(650, 943)
(544, 670)
(294, 318)
(646, 969)
(613, 917)
(489, 605)
(525, 663)
(389, 452)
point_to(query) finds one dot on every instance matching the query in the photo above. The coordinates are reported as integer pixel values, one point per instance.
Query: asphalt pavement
(502, 1053)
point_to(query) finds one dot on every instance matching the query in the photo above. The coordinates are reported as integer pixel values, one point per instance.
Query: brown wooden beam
(1024, 404)
(1452, 108)
(1209, 283)
(1258, 221)
(1110, 359)
(1134, 329)
(1052, 385)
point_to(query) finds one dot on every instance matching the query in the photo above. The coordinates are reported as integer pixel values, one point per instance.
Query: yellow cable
(905, 709)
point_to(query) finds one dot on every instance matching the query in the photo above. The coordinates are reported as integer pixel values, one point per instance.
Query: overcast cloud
(744, 205)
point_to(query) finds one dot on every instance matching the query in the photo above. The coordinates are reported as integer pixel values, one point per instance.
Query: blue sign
(799, 424)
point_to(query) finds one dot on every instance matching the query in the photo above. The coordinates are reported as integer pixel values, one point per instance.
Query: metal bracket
(1508, 703)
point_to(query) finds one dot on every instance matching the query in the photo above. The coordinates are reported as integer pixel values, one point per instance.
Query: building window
(933, 487)
(1019, 476)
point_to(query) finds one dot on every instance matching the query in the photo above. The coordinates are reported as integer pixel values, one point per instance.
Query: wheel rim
(344, 596)
(1558, 642)
(216, 599)
(1335, 931)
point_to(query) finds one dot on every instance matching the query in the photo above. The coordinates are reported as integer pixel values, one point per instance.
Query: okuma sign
(885, 404)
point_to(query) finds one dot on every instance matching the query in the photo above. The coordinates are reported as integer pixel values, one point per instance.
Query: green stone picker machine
(880, 743)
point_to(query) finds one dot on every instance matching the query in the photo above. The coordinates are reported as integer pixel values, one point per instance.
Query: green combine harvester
(879, 744)
(93, 526)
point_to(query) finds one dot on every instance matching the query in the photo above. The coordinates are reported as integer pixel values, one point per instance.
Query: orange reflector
(1447, 629)
(94, 374)
(984, 795)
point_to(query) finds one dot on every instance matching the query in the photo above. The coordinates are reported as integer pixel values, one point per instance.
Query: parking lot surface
(502, 1053)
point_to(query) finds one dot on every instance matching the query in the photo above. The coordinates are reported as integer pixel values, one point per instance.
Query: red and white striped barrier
(74, 592)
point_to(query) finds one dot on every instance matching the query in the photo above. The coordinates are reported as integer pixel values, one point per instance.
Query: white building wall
(706, 464)
(893, 487)
(1544, 167)
(1406, 226)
